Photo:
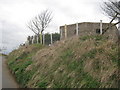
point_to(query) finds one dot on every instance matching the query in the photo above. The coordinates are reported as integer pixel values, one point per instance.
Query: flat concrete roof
(86, 23)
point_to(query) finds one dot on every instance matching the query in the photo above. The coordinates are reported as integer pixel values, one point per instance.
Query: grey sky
(15, 14)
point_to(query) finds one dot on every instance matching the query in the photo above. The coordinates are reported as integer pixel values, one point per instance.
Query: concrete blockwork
(88, 28)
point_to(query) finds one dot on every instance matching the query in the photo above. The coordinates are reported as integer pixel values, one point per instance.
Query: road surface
(8, 80)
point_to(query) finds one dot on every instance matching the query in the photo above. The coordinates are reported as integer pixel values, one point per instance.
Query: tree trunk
(41, 38)
(37, 39)
(38, 36)
(118, 30)
(118, 52)
(119, 25)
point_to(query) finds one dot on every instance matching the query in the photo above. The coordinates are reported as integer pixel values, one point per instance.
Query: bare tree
(112, 9)
(40, 23)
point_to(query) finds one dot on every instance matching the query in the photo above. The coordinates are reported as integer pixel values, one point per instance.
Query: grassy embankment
(78, 62)
(1, 54)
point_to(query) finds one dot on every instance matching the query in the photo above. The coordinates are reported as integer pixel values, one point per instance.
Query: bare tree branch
(40, 22)
(30, 26)
(111, 25)
(111, 8)
(113, 18)
(44, 19)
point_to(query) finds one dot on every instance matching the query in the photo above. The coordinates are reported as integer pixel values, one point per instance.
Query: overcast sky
(15, 14)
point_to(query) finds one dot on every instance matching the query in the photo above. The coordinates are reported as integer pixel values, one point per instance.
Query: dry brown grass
(55, 64)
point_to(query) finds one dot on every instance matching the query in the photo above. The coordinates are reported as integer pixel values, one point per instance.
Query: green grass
(18, 61)
(114, 58)
(74, 65)
(1, 54)
(22, 56)
(67, 59)
(89, 82)
(114, 55)
(69, 69)
(90, 54)
(67, 53)
(96, 65)
(19, 70)
(42, 84)
(94, 37)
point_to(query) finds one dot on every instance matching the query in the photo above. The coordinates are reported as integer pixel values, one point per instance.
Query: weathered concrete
(88, 28)
(0, 72)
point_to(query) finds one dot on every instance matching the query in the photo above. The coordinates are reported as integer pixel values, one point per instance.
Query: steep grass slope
(78, 62)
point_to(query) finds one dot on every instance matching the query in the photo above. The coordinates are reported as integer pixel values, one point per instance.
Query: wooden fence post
(65, 31)
(32, 39)
(51, 38)
(43, 39)
(101, 27)
(77, 29)
(37, 39)
(60, 33)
